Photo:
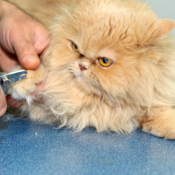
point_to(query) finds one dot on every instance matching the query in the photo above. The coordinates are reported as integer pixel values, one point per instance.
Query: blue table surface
(28, 148)
(33, 148)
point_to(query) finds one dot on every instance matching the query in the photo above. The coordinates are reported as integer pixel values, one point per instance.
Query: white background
(163, 8)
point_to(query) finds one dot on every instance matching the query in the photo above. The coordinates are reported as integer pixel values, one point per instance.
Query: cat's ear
(78, 1)
(166, 27)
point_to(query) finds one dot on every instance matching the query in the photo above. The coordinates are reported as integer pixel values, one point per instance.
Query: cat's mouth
(37, 97)
(81, 77)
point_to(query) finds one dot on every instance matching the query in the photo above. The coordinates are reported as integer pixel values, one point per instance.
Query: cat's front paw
(165, 132)
(22, 90)
(160, 122)
(25, 89)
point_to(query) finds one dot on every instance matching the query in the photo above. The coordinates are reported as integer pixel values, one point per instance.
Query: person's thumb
(26, 53)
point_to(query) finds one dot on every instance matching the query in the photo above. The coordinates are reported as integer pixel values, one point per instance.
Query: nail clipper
(8, 78)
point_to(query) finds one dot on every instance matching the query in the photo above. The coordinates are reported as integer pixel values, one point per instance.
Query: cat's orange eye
(105, 62)
(75, 47)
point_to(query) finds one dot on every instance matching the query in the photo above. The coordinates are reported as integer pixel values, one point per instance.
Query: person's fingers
(3, 104)
(13, 102)
(7, 61)
(26, 52)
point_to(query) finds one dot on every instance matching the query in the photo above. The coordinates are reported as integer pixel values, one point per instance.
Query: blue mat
(32, 148)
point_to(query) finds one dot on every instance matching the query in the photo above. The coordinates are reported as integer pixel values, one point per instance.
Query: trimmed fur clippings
(110, 65)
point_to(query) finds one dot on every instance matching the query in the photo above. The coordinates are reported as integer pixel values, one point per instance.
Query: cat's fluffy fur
(137, 90)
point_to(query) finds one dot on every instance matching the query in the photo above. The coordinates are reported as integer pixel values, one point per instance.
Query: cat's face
(107, 49)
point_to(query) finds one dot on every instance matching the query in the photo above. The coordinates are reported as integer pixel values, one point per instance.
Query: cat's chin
(85, 86)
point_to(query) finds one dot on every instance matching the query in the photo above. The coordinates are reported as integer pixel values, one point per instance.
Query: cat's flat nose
(82, 68)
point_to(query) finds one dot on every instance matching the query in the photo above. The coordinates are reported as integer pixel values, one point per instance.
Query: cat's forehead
(112, 24)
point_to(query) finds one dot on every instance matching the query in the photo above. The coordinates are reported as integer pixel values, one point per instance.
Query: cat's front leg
(160, 122)
(24, 89)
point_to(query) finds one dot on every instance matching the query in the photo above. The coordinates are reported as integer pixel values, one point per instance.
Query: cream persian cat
(110, 65)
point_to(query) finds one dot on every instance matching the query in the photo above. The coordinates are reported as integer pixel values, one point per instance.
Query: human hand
(22, 39)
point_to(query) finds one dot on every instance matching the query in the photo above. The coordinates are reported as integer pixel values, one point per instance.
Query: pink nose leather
(82, 68)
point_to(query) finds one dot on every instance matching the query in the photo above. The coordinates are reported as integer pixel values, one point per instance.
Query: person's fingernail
(31, 59)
